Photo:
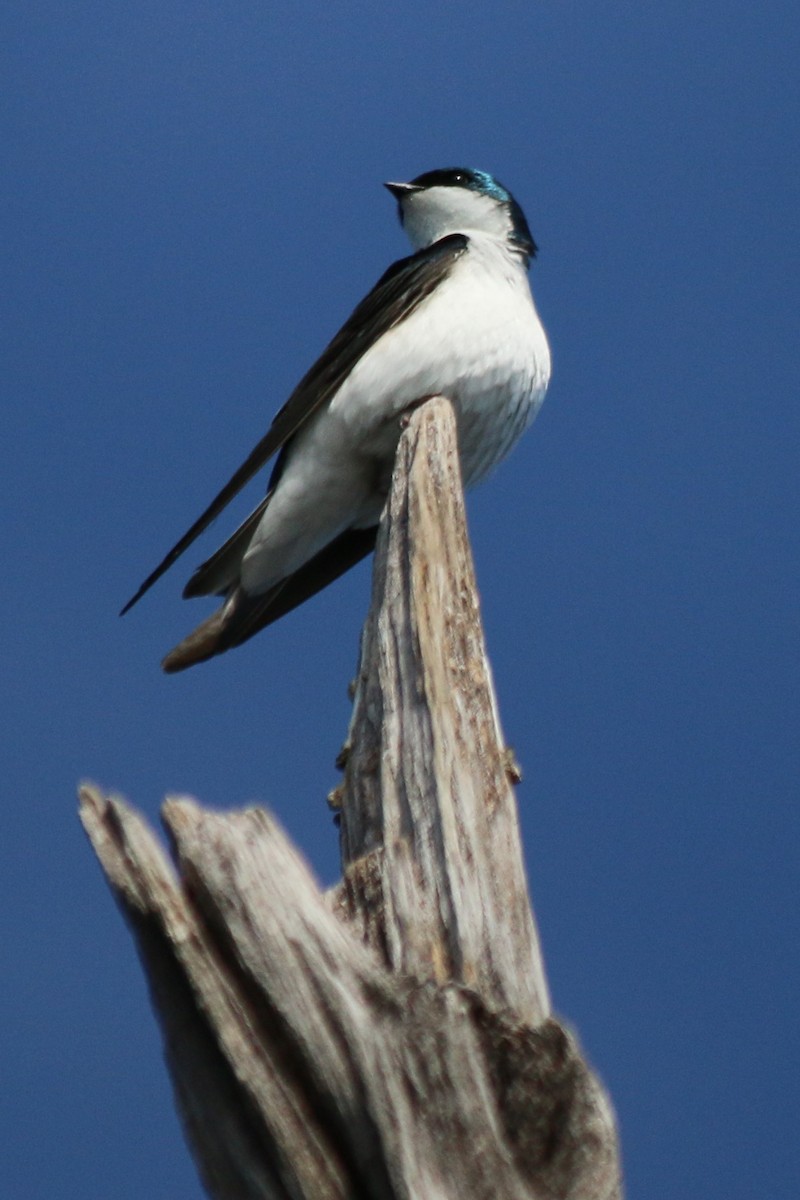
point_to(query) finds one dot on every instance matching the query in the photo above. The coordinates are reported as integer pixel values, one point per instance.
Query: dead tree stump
(390, 1039)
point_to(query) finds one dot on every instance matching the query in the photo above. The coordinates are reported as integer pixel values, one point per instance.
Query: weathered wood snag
(391, 1038)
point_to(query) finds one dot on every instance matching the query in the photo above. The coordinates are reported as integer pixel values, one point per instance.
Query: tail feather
(201, 644)
(241, 615)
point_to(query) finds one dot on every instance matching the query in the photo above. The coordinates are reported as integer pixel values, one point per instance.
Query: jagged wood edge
(305, 1067)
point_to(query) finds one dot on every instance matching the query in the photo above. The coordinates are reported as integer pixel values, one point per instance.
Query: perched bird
(456, 318)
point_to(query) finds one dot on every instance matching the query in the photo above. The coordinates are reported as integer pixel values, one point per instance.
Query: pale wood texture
(391, 1039)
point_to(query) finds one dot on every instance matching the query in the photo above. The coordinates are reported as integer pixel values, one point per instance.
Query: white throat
(435, 212)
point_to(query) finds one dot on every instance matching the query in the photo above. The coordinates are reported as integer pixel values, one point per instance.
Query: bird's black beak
(399, 190)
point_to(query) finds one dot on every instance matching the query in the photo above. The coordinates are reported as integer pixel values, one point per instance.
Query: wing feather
(215, 576)
(394, 297)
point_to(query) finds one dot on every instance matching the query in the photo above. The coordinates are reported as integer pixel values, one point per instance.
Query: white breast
(477, 340)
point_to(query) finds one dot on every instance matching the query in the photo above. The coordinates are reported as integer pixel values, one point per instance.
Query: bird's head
(461, 200)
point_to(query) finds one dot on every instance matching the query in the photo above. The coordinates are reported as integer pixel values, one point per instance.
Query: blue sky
(192, 206)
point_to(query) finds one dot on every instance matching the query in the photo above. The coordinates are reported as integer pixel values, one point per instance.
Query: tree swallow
(456, 318)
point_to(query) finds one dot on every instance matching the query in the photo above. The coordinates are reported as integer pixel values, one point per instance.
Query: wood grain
(391, 1038)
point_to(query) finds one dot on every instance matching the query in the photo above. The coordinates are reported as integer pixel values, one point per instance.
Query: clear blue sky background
(192, 205)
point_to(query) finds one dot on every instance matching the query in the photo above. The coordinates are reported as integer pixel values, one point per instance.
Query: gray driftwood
(391, 1038)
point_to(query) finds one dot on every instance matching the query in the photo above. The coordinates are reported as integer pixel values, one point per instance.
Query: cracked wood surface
(391, 1038)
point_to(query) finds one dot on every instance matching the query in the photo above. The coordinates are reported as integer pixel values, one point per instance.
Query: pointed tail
(202, 643)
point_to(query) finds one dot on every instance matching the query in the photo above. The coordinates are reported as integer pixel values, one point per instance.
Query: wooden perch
(390, 1039)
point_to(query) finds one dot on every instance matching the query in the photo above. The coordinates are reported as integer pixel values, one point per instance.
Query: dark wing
(395, 296)
(215, 576)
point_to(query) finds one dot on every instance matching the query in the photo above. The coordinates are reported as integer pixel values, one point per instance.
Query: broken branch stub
(390, 1039)
(427, 777)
